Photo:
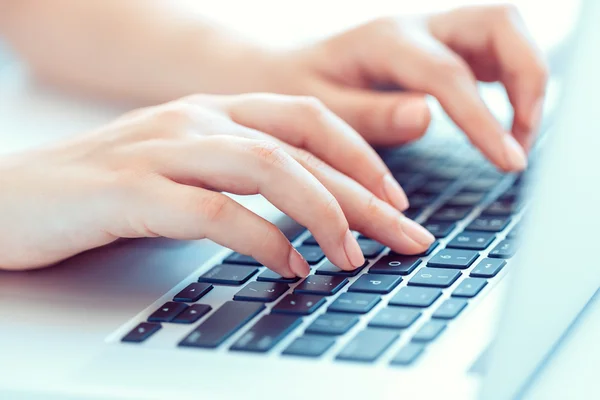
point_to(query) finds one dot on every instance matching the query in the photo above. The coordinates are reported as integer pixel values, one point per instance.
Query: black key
(167, 312)
(311, 241)
(359, 303)
(515, 231)
(395, 265)
(193, 292)
(266, 333)
(329, 269)
(223, 323)
(440, 229)
(466, 199)
(367, 345)
(332, 324)
(502, 208)
(272, 276)
(192, 314)
(141, 332)
(505, 249)
(412, 212)
(451, 258)
(261, 291)
(450, 214)
(446, 172)
(429, 331)
(370, 248)
(408, 354)
(395, 317)
(309, 346)
(312, 254)
(238, 258)
(488, 268)
(450, 308)
(225, 274)
(511, 195)
(435, 186)
(291, 229)
(434, 277)
(298, 304)
(480, 185)
(419, 200)
(430, 249)
(472, 240)
(415, 296)
(324, 285)
(488, 224)
(470, 287)
(375, 283)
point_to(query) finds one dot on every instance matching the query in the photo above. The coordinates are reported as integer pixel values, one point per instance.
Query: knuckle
(505, 13)
(451, 69)
(211, 207)
(310, 161)
(385, 23)
(175, 115)
(332, 212)
(271, 239)
(311, 107)
(541, 71)
(270, 154)
(372, 208)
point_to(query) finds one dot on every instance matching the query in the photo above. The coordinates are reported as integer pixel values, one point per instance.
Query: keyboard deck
(392, 307)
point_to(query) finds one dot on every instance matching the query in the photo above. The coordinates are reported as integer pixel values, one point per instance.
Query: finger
(523, 70)
(499, 47)
(364, 211)
(262, 167)
(187, 213)
(384, 118)
(306, 123)
(434, 69)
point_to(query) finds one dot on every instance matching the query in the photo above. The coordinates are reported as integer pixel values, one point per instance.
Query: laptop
(476, 315)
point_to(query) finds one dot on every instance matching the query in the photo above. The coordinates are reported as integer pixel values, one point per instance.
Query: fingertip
(353, 251)
(515, 156)
(417, 233)
(411, 119)
(297, 264)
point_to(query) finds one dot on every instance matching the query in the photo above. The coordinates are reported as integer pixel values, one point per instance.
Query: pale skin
(160, 170)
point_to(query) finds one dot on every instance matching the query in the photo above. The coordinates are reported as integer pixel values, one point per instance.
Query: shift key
(223, 323)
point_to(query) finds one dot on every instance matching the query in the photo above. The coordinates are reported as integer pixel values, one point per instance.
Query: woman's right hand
(159, 172)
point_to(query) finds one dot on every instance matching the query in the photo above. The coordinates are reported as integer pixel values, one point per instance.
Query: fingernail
(298, 264)
(412, 115)
(353, 251)
(394, 193)
(514, 153)
(416, 232)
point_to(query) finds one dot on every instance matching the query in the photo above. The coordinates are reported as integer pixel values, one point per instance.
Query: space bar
(223, 323)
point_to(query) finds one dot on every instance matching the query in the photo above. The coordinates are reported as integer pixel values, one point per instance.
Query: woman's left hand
(441, 54)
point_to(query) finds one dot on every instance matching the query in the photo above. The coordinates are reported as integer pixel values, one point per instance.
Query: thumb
(382, 118)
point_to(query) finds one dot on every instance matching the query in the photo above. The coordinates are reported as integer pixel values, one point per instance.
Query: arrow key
(141, 332)
(167, 312)
(193, 292)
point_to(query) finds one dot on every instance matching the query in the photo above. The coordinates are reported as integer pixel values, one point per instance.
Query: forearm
(145, 51)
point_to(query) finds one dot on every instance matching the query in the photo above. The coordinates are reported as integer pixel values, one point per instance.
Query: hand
(159, 172)
(442, 55)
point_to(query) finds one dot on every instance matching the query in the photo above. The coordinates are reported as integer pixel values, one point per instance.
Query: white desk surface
(31, 116)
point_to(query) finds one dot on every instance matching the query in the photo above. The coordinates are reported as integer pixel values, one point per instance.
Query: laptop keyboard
(470, 207)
